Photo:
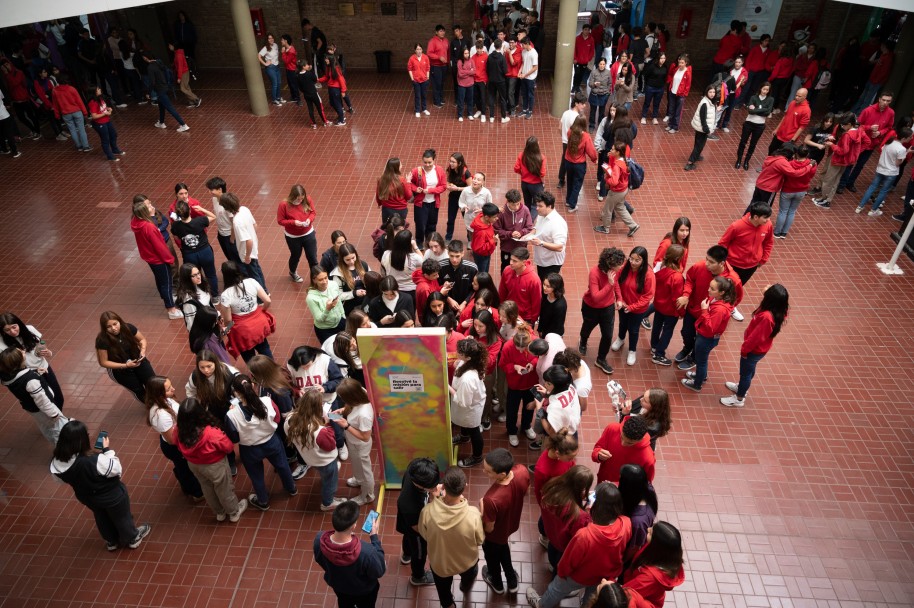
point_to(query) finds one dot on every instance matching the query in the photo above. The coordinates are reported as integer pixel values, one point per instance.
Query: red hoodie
(627, 290)
(479, 61)
(601, 292)
(525, 290)
(583, 49)
(66, 100)
(799, 182)
(438, 51)
(882, 69)
(511, 356)
(669, 285)
(424, 288)
(728, 48)
(713, 321)
(483, 242)
(611, 440)
(872, 116)
(547, 468)
(397, 202)
(661, 253)
(16, 83)
(697, 280)
(782, 68)
(212, 447)
(848, 147)
(560, 530)
(748, 245)
(595, 552)
(525, 176)
(616, 174)
(757, 337)
(652, 583)
(755, 61)
(149, 241)
(417, 179)
(775, 171)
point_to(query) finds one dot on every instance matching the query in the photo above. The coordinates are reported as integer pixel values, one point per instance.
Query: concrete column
(247, 47)
(564, 55)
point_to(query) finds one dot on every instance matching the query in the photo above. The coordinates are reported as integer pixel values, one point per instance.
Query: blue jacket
(353, 568)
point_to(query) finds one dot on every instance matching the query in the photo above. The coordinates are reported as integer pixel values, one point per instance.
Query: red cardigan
(417, 179)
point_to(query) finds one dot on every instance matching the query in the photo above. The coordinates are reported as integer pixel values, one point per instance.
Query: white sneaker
(333, 504)
(531, 434)
(858, 209)
(502, 417)
(300, 471)
(61, 137)
(643, 120)
(161, 125)
(482, 118)
(617, 344)
(177, 314)
(654, 122)
(417, 115)
(460, 119)
(630, 360)
(352, 482)
(471, 117)
(737, 315)
(666, 119)
(732, 386)
(426, 112)
(363, 500)
(344, 453)
(732, 401)
(505, 119)
(242, 507)
(875, 213)
(513, 440)
(477, 114)
(183, 128)
(726, 130)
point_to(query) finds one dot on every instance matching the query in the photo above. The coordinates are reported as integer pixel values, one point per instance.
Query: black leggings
(475, 436)
(701, 138)
(25, 111)
(314, 103)
(752, 132)
(605, 318)
(306, 243)
(630, 323)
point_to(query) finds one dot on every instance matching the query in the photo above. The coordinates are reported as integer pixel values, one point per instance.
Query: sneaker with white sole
(426, 580)
(300, 471)
(544, 541)
(477, 114)
(690, 384)
(531, 434)
(654, 122)
(142, 532)
(175, 314)
(875, 213)
(352, 482)
(502, 417)
(242, 507)
(497, 586)
(363, 500)
(513, 440)
(533, 598)
(161, 125)
(460, 119)
(344, 453)
(183, 128)
(333, 504)
(858, 209)
(617, 344)
(666, 119)
(505, 119)
(252, 500)
(632, 357)
(737, 315)
(406, 560)
(643, 120)
(418, 115)
(733, 401)
(732, 386)
(426, 112)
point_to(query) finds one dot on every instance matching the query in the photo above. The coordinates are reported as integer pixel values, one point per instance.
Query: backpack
(635, 174)
(376, 249)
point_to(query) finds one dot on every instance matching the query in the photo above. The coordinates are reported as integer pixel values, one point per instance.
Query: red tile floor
(803, 498)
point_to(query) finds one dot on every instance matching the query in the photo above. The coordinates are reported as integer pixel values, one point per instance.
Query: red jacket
(616, 174)
(558, 530)
(212, 447)
(398, 202)
(697, 280)
(652, 583)
(600, 291)
(483, 242)
(661, 253)
(511, 356)
(757, 337)
(417, 179)
(756, 59)
(812, 71)
(882, 69)
(801, 64)
(595, 552)
(795, 120)
(728, 48)
(611, 441)
(16, 83)
(685, 85)
(782, 68)
(627, 290)
(525, 175)
(149, 241)
(525, 290)
(583, 49)
(775, 171)
(289, 59)
(181, 63)
(872, 116)
(438, 51)
(418, 68)
(45, 96)
(584, 151)
(740, 81)
(848, 147)
(494, 349)
(669, 287)
(714, 320)
(799, 182)
(479, 60)
(334, 80)
(468, 310)
(747, 245)
(424, 288)
(518, 56)
(287, 214)
(66, 100)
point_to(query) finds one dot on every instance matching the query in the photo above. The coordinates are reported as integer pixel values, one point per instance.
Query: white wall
(18, 12)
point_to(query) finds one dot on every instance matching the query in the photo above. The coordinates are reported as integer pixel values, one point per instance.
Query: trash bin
(382, 58)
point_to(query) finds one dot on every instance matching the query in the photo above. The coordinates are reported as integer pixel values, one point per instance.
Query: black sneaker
(467, 463)
(512, 583)
(497, 586)
(112, 546)
(658, 360)
(603, 365)
(406, 559)
(646, 323)
(840, 190)
(458, 439)
(234, 469)
(681, 356)
(851, 188)
(531, 468)
(425, 581)
(687, 363)
(486, 424)
(252, 500)
(142, 532)
(582, 348)
(634, 229)
(898, 217)
(535, 445)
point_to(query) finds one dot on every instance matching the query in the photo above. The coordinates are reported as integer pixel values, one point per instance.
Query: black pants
(518, 399)
(701, 138)
(134, 378)
(775, 145)
(479, 97)
(367, 600)
(544, 271)
(53, 383)
(475, 436)
(498, 559)
(8, 135)
(190, 486)
(581, 74)
(336, 101)
(752, 132)
(314, 103)
(292, 80)
(229, 250)
(688, 333)
(562, 167)
(630, 325)
(453, 207)
(498, 97)
(306, 243)
(114, 519)
(414, 547)
(761, 196)
(443, 585)
(745, 273)
(605, 318)
(528, 190)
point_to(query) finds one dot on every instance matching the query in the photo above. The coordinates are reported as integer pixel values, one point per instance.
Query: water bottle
(42, 346)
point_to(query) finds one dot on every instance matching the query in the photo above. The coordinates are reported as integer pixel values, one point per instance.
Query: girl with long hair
(759, 109)
(704, 121)
(251, 422)
(466, 72)
(598, 84)
(681, 234)
(211, 384)
(349, 275)
(709, 327)
(313, 437)
(330, 257)
(518, 366)
(654, 408)
(554, 307)
(193, 293)
(435, 306)
(616, 171)
(154, 251)
(205, 447)
(558, 456)
(100, 114)
(580, 148)
(96, 482)
(33, 392)
(670, 283)
(393, 192)
(336, 87)
(345, 351)
(468, 397)
(274, 381)
(451, 340)
(563, 513)
(401, 261)
(313, 370)
(484, 299)
(120, 348)
(767, 321)
(659, 566)
(357, 420)
(14, 333)
(419, 67)
(253, 324)
(679, 83)
(634, 292)
(437, 248)
(356, 320)
(428, 181)
(639, 504)
(458, 178)
(190, 232)
(623, 89)
(269, 59)
(296, 216)
(324, 300)
(580, 374)
(655, 75)
(597, 304)
(382, 309)
(531, 166)
(162, 416)
(485, 330)
(207, 332)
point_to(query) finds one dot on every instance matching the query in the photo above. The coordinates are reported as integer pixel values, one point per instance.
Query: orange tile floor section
(803, 498)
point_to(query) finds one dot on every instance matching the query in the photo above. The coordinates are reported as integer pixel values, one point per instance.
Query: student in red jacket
(597, 304)
(485, 241)
(154, 251)
(419, 69)
(594, 553)
(634, 292)
(69, 107)
(513, 223)
(520, 283)
(715, 315)
(749, 241)
(680, 235)
(776, 169)
(428, 181)
(336, 87)
(877, 120)
(182, 72)
(757, 67)
(845, 147)
(580, 148)
(393, 192)
(679, 83)
(781, 73)
(616, 176)
(793, 191)
(17, 87)
(519, 368)
(531, 166)
(669, 284)
(296, 216)
(658, 568)
(623, 443)
(100, 113)
(480, 81)
(767, 321)
(727, 49)
(438, 51)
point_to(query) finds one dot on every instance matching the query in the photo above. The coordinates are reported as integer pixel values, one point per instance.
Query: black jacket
(496, 67)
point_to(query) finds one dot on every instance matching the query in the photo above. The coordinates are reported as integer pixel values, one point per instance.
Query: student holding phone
(121, 349)
(326, 304)
(357, 419)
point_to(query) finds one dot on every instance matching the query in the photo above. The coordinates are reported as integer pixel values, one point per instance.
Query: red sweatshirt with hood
(748, 245)
(799, 182)
(424, 288)
(775, 171)
(149, 241)
(595, 552)
(652, 583)
(697, 280)
(212, 447)
(611, 440)
(483, 242)
(524, 289)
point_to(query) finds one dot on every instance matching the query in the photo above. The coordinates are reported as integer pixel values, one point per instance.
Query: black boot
(738, 163)
(746, 165)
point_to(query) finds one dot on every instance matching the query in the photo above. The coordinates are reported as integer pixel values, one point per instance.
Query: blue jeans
(186, 479)
(597, 106)
(652, 97)
(330, 476)
(437, 75)
(725, 119)
(464, 100)
(205, 261)
(576, 173)
(853, 171)
(336, 102)
(674, 110)
(165, 104)
(630, 324)
(258, 349)
(747, 373)
(108, 136)
(228, 249)
(662, 332)
(76, 124)
(560, 588)
(252, 457)
(482, 262)
(703, 348)
(881, 184)
(162, 274)
(866, 97)
(254, 271)
(787, 208)
(275, 77)
(528, 89)
(419, 92)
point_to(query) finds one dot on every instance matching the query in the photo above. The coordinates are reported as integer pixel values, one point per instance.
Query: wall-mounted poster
(760, 15)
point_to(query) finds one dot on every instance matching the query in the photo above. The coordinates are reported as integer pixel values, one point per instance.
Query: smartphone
(334, 416)
(100, 442)
(228, 327)
(369, 521)
(591, 498)
(538, 396)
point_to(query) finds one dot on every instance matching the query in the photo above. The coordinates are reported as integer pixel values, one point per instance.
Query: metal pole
(891, 267)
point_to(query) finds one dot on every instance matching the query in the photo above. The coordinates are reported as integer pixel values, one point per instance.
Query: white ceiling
(18, 12)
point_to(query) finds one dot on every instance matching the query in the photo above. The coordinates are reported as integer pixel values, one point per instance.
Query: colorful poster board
(760, 15)
(406, 377)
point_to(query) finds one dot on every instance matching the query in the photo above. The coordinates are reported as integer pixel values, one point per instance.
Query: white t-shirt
(362, 418)
(241, 300)
(271, 56)
(245, 230)
(223, 219)
(556, 345)
(568, 118)
(531, 60)
(4, 113)
(404, 277)
(161, 419)
(428, 255)
(891, 153)
(564, 410)
(431, 181)
(677, 79)
(190, 311)
(550, 229)
(583, 385)
(473, 202)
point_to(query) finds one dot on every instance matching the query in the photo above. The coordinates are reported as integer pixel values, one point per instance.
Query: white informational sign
(406, 383)
(760, 15)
